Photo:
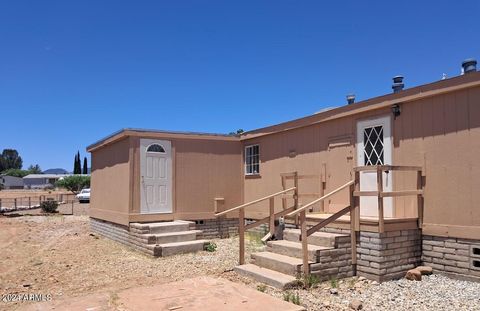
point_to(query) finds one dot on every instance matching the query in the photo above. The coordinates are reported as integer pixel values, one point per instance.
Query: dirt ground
(58, 255)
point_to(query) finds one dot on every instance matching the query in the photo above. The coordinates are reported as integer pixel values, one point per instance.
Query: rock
(333, 291)
(413, 275)
(356, 304)
(425, 270)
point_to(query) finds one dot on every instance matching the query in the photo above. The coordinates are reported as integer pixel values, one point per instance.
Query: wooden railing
(270, 219)
(380, 194)
(304, 233)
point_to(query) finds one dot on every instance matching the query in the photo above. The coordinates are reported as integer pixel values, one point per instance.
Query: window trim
(161, 146)
(245, 160)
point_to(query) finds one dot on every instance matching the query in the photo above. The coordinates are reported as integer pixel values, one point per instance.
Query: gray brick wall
(217, 228)
(389, 255)
(452, 256)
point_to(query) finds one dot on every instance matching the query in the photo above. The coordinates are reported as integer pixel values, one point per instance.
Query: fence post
(241, 233)
(353, 233)
(381, 224)
(0, 203)
(303, 230)
(357, 202)
(420, 200)
(295, 195)
(29, 202)
(15, 203)
(272, 216)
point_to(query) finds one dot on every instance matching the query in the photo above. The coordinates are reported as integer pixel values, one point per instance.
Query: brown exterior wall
(110, 183)
(440, 133)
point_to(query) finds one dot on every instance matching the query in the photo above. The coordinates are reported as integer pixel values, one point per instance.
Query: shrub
(211, 247)
(334, 282)
(291, 297)
(49, 206)
(262, 288)
(74, 183)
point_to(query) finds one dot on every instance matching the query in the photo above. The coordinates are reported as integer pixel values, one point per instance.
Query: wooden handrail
(327, 221)
(374, 168)
(255, 201)
(303, 208)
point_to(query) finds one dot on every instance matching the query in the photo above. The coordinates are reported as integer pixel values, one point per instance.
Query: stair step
(294, 249)
(267, 276)
(171, 237)
(319, 238)
(163, 227)
(277, 262)
(169, 249)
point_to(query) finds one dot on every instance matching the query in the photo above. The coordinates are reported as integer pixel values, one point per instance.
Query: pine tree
(79, 164)
(85, 166)
(75, 165)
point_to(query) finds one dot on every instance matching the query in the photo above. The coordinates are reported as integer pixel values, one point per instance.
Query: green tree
(74, 183)
(15, 172)
(10, 159)
(34, 169)
(77, 165)
(238, 132)
(85, 166)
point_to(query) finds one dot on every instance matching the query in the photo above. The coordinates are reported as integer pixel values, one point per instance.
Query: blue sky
(72, 72)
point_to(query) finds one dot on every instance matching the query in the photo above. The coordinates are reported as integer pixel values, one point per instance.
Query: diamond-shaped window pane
(373, 145)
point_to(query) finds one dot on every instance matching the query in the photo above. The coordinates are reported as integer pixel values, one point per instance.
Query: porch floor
(367, 223)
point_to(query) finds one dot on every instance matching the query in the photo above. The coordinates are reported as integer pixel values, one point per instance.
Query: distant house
(39, 181)
(11, 182)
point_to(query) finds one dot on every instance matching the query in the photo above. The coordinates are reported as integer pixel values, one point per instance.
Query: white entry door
(156, 176)
(374, 147)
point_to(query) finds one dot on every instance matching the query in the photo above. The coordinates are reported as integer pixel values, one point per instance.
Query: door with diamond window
(374, 147)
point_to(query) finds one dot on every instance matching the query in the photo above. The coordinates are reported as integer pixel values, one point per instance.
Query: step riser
(176, 238)
(338, 241)
(182, 249)
(269, 280)
(293, 252)
(277, 266)
(170, 228)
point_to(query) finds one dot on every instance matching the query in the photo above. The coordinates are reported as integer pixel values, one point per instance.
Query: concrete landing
(203, 293)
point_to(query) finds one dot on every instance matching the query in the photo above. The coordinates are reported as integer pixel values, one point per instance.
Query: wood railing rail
(270, 219)
(380, 194)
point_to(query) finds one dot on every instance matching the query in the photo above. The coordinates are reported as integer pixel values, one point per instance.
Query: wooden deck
(370, 224)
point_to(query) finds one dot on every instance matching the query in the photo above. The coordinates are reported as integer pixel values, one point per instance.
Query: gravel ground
(58, 255)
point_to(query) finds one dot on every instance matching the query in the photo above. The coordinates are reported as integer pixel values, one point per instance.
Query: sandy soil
(58, 255)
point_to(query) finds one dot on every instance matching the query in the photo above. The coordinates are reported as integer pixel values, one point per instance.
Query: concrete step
(267, 276)
(294, 249)
(320, 238)
(277, 262)
(171, 237)
(162, 227)
(169, 249)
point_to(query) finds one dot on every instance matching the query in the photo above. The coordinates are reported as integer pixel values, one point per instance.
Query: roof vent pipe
(350, 98)
(469, 65)
(397, 84)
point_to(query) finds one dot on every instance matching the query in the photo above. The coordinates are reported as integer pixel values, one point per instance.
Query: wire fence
(31, 202)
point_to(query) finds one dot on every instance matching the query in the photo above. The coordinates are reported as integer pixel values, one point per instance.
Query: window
(252, 160)
(155, 148)
(373, 145)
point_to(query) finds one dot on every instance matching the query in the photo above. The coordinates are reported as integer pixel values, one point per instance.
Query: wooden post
(357, 202)
(420, 200)
(0, 202)
(29, 202)
(241, 234)
(295, 194)
(381, 223)
(284, 199)
(323, 182)
(15, 203)
(272, 216)
(353, 233)
(303, 229)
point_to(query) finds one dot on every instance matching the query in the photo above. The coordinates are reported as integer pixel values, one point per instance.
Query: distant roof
(46, 175)
(124, 130)
(55, 171)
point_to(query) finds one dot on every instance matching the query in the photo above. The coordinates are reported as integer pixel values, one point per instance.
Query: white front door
(374, 147)
(156, 176)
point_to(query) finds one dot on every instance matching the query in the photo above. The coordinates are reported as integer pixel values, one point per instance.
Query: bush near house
(74, 183)
(49, 206)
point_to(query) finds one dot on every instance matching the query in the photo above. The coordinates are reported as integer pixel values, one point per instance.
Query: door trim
(167, 145)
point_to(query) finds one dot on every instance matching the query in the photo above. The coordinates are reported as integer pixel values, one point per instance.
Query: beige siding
(111, 182)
